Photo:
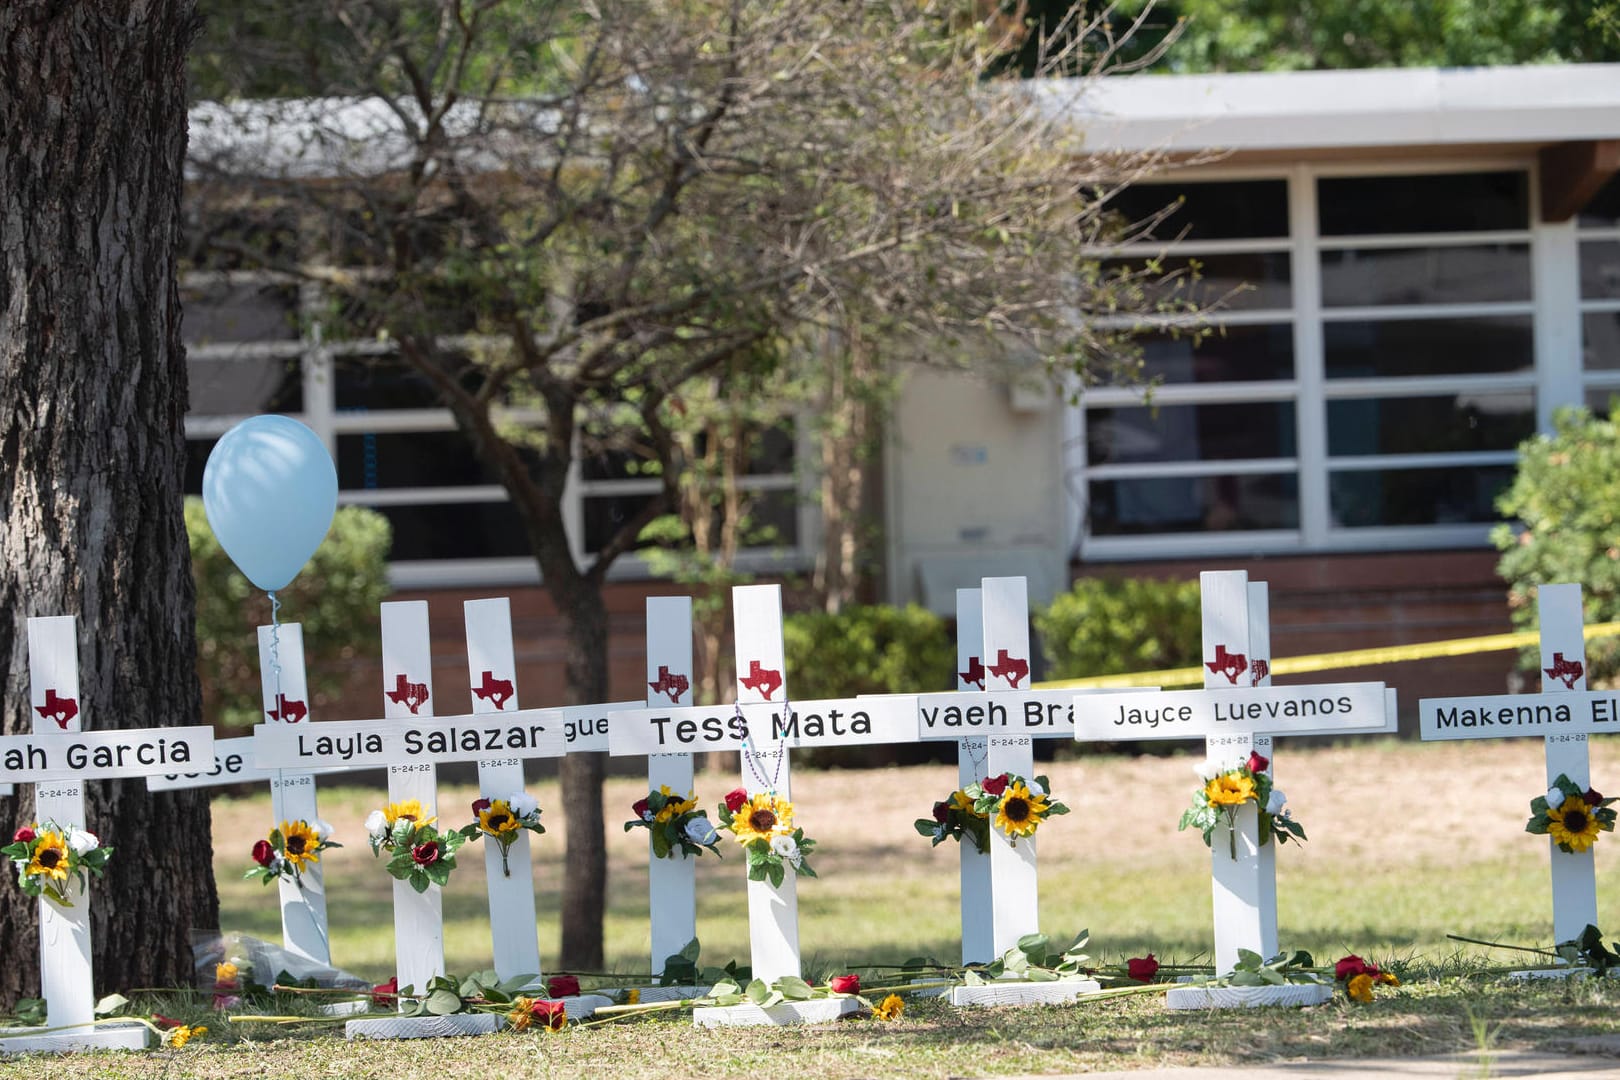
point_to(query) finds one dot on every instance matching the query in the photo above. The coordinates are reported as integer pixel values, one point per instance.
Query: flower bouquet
(763, 825)
(955, 818)
(1359, 978)
(1014, 805)
(47, 856)
(1226, 788)
(421, 854)
(501, 820)
(290, 850)
(676, 824)
(1571, 816)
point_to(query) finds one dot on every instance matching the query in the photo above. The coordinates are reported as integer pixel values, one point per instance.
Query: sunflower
(410, 809)
(1360, 987)
(50, 856)
(1019, 812)
(761, 818)
(1229, 789)
(889, 1008)
(673, 807)
(1572, 826)
(497, 818)
(300, 844)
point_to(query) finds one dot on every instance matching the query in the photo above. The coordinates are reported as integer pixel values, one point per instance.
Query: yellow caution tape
(1353, 658)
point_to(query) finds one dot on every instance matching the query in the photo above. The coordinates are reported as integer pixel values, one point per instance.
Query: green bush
(335, 597)
(868, 649)
(1104, 626)
(1566, 497)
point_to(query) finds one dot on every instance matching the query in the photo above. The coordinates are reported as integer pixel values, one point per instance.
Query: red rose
(480, 806)
(426, 854)
(1258, 764)
(165, 1021)
(1592, 797)
(263, 853)
(942, 810)
(845, 984)
(994, 785)
(1353, 965)
(736, 798)
(562, 986)
(1142, 968)
(385, 994)
(24, 835)
(639, 808)
(553, 1014)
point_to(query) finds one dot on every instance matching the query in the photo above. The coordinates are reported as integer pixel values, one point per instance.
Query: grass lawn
(1408, 842)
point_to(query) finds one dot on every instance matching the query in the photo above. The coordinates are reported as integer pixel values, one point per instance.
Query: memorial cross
(1229, 714)
(1563, 715)
(995, 726)
(57, 759)
(762, 726)
(284, 699)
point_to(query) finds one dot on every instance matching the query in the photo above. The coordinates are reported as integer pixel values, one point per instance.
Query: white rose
(1555, 798)
(1035, 788)
(1275, 803)
(377, 824)
(699, 831)
(523, 804)
(81, 841)
(786, 847)
(1207, 770)
(323, 829)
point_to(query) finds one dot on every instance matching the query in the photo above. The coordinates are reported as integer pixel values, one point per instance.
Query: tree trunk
(584, 892)
(92, 446)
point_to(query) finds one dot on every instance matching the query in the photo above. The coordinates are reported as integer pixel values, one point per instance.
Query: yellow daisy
(1229, 789)
(961, 800)
(520, 1017)
(497, 818)
(1360, 987)
(50, 857)
(178, 1037)
(302, 846)
(1019, 813)
(889, 1008)
(674, 807)
(1573, 825)
(761, 818)
(410, 808)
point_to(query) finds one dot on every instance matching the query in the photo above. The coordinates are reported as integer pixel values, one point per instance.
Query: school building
(1419, 266)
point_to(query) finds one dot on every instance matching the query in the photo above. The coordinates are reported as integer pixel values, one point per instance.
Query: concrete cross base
(100, 1037)
(1024, 993)
(819, 1011)
(424, 1027)
(1290, 996)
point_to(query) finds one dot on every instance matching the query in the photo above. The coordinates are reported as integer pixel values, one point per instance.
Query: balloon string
(275, 648)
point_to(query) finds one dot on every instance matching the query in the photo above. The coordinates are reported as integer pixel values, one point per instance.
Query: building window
(1598, 236)
(1364, 382)
(255, 345)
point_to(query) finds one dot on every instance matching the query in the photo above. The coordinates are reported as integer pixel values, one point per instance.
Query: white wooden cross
(762, 731)
(1563, 715)
(1229, 714)
(284, 693)
(410, 741)
(58, 758)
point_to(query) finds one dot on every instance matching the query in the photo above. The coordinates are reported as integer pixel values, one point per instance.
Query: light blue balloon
(270, 491)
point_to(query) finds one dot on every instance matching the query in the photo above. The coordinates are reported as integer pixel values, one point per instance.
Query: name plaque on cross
(521, 733)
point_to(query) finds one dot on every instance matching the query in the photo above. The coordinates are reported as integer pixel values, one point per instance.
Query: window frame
(1311, 390)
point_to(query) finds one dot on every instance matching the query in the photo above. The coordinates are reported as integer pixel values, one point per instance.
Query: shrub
(335, 597)
(1104, 626)
(1566, 497)
(868, 649)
